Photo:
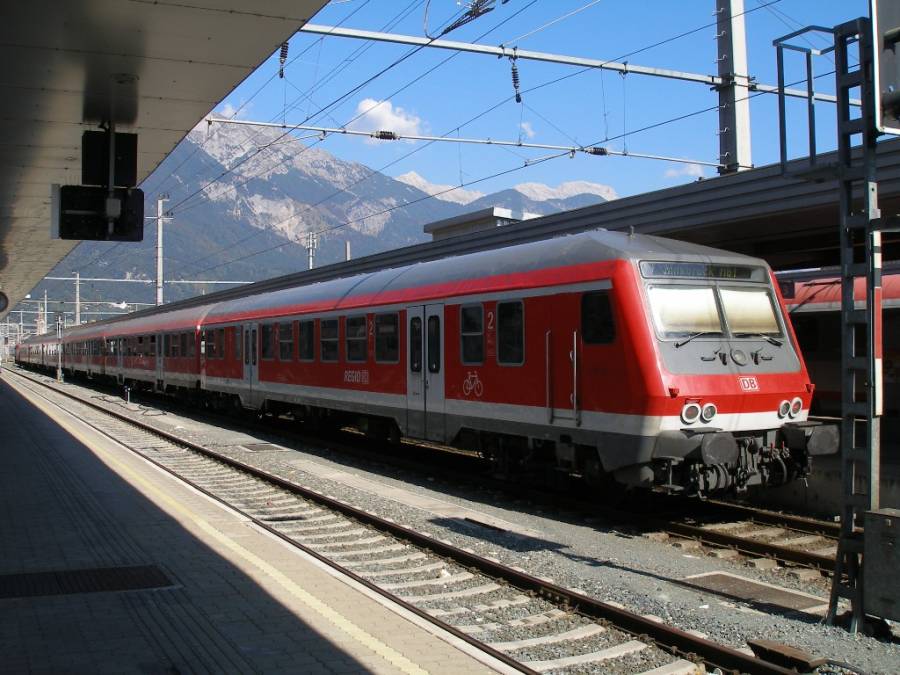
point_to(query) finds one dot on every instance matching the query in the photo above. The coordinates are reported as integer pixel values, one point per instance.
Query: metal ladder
(860, 242)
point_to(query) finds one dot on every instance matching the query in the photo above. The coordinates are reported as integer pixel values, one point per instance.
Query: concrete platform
(210, 591)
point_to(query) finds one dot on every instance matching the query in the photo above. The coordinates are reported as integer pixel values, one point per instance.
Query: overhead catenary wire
(358, 116)
(308, 207)
(583, 70)
(552, 22)
(475, 182)
(395, 136)
(334, 102)
(204, 197)
(553, 81)
(556, 80)
(335, 70)
(332, 228)
(247, 102)
(476, 117)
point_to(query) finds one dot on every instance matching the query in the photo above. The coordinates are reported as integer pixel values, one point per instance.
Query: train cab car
(617, 358)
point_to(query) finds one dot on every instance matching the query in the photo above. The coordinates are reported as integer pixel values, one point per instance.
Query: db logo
(748, 383)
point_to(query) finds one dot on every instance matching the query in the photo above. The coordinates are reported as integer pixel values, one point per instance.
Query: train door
(250, 365)
(425, 372)
(562, 355)
(160, 361)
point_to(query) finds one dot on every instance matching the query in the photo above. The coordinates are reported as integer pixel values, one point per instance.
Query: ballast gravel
(596, 557)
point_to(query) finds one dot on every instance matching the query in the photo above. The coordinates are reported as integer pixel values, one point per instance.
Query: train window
(253, 347)
(167, 346)
(247, 347)
(220, 343)
(387, 338)
(176, 346)
(184, 344)
(749, 311)
(415, 344)
(680, 311)
(471, 327)
(357, 341)
(328, 329)
(191, 346)
(434, 344)
(510, 333)
(266, 338)
(285, 341)
(597, 326)
(306, 350)
(152, 345)
(238, 339)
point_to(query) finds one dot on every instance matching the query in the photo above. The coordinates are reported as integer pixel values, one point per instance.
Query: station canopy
(155, 67)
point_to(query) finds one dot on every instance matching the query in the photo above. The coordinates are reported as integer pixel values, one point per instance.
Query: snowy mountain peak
(541, 193)
(457, 196)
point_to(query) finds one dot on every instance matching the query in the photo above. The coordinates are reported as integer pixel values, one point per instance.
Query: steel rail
(790, 521)
(745, 545)
(669, 638)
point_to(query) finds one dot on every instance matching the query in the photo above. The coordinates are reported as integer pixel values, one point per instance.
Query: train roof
(444, 277)
(824, 295)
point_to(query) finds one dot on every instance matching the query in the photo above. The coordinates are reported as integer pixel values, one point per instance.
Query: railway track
(730, 530)
(756, 533)
(531, 624)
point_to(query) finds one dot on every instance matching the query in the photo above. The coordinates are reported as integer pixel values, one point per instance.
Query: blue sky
(586, 108)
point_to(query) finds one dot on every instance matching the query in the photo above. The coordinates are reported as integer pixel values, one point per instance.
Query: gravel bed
(414, 575)
(561, 625)
(598, 557)
(471, 602)
(557, 650)
(502, 616)
(647, 659)
(412, 594)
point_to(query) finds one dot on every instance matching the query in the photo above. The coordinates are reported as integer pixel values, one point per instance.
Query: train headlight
(784, 408)
(796, 407)
(709, 411)
(690, 412)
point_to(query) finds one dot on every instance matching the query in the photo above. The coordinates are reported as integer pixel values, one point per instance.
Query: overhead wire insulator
(282, 59)
(385, 135)
(596, 150)
(515, 81)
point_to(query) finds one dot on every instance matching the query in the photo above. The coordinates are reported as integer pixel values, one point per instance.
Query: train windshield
(749, 312)
(679, 311)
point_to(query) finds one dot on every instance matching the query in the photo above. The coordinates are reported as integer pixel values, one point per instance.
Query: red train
(814, 306)
(616, 357)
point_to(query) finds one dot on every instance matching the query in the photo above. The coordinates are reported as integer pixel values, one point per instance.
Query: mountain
(442, 192)
(244, 199)
(533, 197)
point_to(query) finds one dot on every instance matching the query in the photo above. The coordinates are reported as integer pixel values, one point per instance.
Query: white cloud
(384, 116)
(690, 170)
(528, 129)
(230, 110)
